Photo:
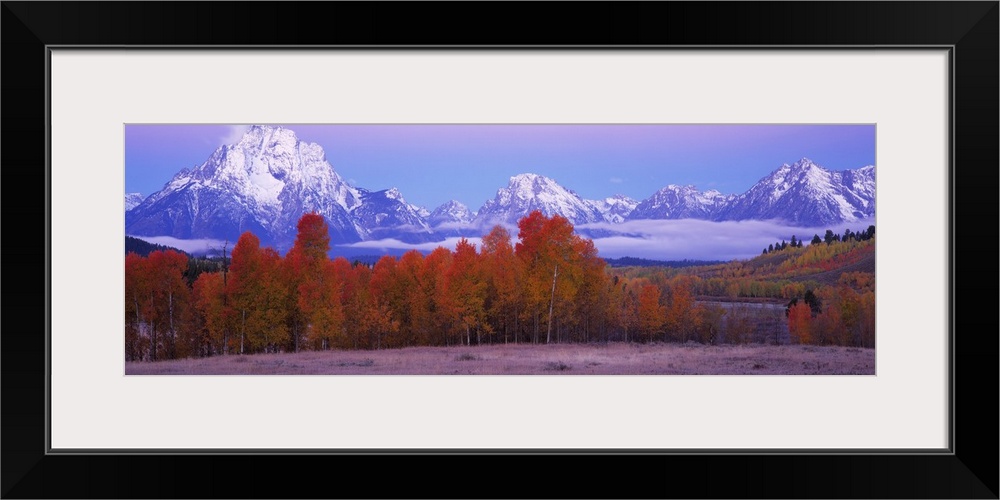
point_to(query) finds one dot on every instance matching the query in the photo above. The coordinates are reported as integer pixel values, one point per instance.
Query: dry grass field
(526, 359)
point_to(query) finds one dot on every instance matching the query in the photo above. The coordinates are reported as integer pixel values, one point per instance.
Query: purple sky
(431, 164)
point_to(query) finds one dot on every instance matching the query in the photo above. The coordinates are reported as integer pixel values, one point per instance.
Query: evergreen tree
(812, 301)
(816, 240)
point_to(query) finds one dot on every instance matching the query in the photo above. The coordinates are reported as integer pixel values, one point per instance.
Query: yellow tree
(467, 291)
(504, 276)
(552, 260)
(410, 302)
(799, 317)
(435, 286)
(327, 317)
(167, 296)
(383, 295)
(245, 283)
(683, 316)
(210, 303)
(272, 327)
(651, 313)
(593, 292)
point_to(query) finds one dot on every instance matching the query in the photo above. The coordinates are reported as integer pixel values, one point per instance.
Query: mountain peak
(451, 211)
(808, 194)
(394, 194)
(267, 136)
(132, 200)
(263, 183)
(803, 163)
(529, 180)
(527, 192)
(525, 177)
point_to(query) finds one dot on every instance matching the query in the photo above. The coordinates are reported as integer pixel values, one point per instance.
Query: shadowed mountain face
(270, 178)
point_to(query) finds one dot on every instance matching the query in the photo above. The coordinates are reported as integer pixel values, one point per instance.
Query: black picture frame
(969, 470)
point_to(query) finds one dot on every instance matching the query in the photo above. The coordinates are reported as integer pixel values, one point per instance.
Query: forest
(547, 286)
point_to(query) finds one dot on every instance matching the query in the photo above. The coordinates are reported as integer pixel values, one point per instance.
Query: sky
(431, 164)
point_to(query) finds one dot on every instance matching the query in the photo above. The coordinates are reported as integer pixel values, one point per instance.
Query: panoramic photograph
(550, 249)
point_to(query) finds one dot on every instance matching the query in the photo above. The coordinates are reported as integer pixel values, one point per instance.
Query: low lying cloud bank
(701, 240)
(394, 245)
(194, 247)
(648, 239)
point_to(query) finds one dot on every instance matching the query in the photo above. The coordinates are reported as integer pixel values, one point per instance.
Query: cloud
(654, 239)
(616, 180)
(699, 239)
(394, 244)
(195, 246)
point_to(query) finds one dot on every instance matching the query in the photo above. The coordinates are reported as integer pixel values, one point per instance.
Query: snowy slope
(132, 200)
(528, 192)
(680, 202)
(807, 194)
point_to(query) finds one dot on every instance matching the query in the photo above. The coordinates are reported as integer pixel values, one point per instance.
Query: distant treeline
(637, 262)
(144, 248)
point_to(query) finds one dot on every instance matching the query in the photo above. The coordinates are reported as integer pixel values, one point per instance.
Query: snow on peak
(679, 202)
(807, 193)
(803, 163)
(451, 211)
(528, 192)
(132, 200)
(394, 194)
(524, 178)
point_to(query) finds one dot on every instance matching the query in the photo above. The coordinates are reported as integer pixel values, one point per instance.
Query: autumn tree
(503, 275)
(326, 316)
(652, 315)
(467, 290)
(550, 254)
(214, 314)
(307, 276)
(593, 293)
(799, 317)
(245, 282)
(683, 315)
(709, 329)
(434, 284)
(384, 295)
(624, 307)
(136, 340)
(166, 293)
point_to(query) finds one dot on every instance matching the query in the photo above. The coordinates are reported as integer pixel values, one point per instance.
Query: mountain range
(267, 180)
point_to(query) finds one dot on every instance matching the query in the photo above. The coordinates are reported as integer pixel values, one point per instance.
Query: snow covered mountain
(680, 202)
(526, 193)
(452, 211)
(132, 200)
(807, 194)
(615, 209)
(269, 178)
(264, 184)
(385, 214)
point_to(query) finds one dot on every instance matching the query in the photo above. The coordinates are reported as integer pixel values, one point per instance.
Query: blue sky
(431, 164)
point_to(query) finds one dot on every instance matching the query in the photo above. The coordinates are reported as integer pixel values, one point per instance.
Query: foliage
(550, 285)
